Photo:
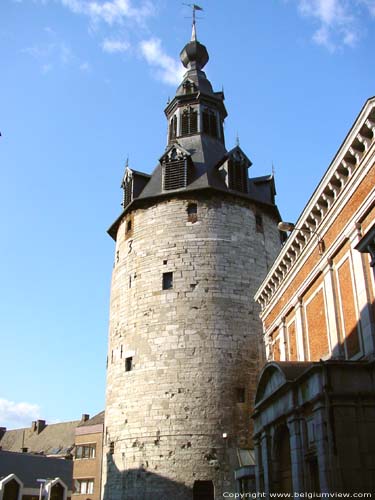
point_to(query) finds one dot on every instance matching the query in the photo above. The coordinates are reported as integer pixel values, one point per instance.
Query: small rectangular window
(128, 364)
(192, 211)
(240, 394)
(84, 486)
(85, 451)
(167, 281)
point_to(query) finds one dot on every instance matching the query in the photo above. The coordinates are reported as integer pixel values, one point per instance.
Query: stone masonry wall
(195, 348)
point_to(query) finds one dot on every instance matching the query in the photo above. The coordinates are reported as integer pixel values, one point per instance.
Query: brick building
(315, 404)
(193, 243)
(88, 456)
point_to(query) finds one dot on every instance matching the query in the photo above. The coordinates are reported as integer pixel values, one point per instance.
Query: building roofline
(339, 171)
(138, 202)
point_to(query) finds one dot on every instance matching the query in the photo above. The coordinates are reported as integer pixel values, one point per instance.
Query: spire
(193, 33)
(194, 29)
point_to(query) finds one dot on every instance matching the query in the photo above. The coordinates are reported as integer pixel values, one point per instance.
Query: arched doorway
(282, 464)
(203, 490)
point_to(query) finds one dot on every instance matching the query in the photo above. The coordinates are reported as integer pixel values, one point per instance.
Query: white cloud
(168, 70)
(111, 45)
(13, 415)
(110, 11)
(339, 20)
(85, 66)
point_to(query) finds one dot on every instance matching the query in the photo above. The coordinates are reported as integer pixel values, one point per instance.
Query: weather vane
(194, 7)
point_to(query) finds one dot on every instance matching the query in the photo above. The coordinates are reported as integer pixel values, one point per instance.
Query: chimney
(2, 431)
(85, 417)
(38, 425)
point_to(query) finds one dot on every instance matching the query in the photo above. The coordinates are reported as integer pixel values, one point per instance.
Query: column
(296, 452)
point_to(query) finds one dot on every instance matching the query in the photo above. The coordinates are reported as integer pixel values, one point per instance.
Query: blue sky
(83, 86)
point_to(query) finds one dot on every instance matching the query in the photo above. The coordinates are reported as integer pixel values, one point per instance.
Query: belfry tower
(193, 243)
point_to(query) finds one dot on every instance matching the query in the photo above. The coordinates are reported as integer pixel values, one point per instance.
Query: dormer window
(176, 168)
(189, 121)
(127, 186)
(209, 119)
(236, 170)
(188, 87)
(173, 128)
(237, 176)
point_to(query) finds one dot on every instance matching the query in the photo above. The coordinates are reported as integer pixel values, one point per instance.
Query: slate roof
(28, 468)
(54, 439)
(95, 420)
(207, 154)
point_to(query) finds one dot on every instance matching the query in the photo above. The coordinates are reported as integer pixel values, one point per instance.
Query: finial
(237, 140)
(194, 29)
(127, 162)
(273, 170)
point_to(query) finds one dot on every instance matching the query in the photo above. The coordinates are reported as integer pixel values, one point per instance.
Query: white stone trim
(300, 332)
(348, 256)
(5, 480)
(304, 305)
(340, 240)
(344, 164)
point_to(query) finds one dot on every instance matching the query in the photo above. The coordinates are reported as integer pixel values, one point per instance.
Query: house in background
(26, 476)
(52, 440)
(314, 415)
(87, 465)
(45, 451)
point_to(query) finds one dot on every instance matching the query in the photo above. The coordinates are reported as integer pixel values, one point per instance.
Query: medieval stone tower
(193, 243)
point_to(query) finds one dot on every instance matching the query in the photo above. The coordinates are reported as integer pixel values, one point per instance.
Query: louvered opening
(128, 191)
(189, 122)
(175, 174)
(237, 177)
(209, 123)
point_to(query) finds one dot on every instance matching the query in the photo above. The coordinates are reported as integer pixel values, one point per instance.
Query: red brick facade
(318, 298)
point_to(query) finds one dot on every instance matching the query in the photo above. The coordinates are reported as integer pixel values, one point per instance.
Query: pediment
(239, 156)
(175, 152)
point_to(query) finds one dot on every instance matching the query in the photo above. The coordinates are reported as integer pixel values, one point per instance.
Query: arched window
(173, 128)
(189, 121)
(209, 122)
(282, 463)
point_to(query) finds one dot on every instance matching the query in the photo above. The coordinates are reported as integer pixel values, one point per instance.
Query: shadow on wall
(141, 484)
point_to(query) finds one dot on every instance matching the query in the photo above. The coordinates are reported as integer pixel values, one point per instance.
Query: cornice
(326, 197)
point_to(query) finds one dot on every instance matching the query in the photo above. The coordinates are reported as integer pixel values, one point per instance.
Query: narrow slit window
(128, 364)
(167, 281)
(240, 395)
(258, 223)
(129, 226)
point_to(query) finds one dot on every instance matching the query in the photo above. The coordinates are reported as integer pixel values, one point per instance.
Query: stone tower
(193, 243)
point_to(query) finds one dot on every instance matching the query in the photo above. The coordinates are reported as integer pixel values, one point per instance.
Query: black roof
(28, 468)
